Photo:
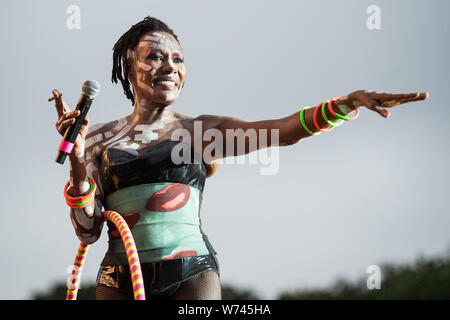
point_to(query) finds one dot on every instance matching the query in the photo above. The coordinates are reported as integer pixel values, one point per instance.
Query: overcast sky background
(373, 190)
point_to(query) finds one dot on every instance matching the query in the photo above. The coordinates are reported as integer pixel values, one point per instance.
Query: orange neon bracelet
(80, 201)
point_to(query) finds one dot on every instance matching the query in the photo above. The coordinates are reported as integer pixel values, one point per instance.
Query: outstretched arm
(290, 130)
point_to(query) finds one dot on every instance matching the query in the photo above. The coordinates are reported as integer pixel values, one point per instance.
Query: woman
(130, 160)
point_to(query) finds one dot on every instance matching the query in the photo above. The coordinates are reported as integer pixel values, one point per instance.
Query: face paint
(123, 143)
(85, 187)
(121, 123)
(95, 127)
(154, 51)
(147, 134)
(108, 134)
(89, 210)
(119, 135)
(92, 140)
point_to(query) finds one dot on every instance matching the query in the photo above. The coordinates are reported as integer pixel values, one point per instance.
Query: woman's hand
(66, 118)
(377, 101)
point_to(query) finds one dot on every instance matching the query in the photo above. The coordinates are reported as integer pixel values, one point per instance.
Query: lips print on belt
(171, 198)
(130, 218)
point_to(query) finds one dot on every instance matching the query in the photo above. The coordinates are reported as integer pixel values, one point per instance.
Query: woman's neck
(147, 112)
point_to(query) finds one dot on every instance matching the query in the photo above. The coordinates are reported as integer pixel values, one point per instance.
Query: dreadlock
(129, 41)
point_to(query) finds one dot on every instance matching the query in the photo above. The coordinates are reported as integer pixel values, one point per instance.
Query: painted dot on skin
(89, 210)
(85, 187)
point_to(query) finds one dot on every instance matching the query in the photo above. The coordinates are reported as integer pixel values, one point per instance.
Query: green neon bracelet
(87, 200)
(90, 190)
(302, 120)
(333, 124)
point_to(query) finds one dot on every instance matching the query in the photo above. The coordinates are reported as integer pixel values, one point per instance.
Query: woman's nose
(168, 66)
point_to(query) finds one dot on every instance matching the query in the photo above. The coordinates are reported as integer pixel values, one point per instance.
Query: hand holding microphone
(73, 125)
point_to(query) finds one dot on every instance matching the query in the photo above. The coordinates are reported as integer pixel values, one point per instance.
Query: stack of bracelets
(128, 241)
(322, 106)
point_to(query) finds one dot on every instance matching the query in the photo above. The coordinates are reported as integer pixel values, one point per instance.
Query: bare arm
(87, 221)
(290, 130)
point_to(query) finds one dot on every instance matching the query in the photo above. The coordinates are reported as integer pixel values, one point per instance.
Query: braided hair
(128, 42)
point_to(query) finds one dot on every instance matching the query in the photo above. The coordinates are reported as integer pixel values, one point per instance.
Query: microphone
(89, 90)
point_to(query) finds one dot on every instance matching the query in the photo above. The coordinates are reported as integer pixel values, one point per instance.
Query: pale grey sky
(370, 191)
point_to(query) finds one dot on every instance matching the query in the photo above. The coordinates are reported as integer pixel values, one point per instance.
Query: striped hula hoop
(132, 255)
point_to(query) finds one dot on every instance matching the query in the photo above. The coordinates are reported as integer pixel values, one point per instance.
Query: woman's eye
(156, 57)
(178, 60)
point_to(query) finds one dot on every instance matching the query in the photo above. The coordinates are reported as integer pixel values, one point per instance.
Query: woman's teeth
(165, 82)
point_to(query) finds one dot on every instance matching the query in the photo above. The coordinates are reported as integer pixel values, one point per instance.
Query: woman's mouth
(165, 83)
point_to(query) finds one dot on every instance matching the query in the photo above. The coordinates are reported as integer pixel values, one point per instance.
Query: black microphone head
(90, 88)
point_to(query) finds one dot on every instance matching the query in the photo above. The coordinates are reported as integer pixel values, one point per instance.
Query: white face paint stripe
(150, 38)
(144, 66)
(89, 142)
(147, 132)
(88, 155)
(80, 155)
(108, 134)
(121, 123)
(96, 127)
(122, 132)
(160, 35)
(134, 146)
(122, 142)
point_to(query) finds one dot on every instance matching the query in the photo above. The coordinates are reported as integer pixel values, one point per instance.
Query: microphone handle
(84, 103)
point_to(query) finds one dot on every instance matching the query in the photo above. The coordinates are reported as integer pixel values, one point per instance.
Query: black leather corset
(121, 169)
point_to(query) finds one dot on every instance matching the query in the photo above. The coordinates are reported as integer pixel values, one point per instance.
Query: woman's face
(157, 68)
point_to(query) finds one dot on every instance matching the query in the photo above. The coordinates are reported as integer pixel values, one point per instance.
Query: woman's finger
(389, 100)
(63, 125)
(383, 96)
(60, 104)
(372, 104)
(72, 114)
(420, 97)
(84, 127)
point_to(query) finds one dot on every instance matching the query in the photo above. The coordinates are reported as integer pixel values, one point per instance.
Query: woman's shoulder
(98, 133)
(103, 127)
